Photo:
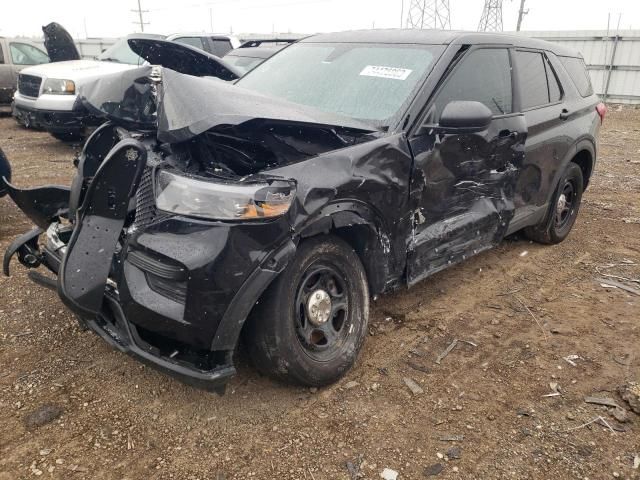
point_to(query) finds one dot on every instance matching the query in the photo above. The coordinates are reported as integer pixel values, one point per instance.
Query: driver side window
(484, 76)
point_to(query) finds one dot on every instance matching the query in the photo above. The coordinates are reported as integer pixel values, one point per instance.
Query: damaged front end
(172, 228)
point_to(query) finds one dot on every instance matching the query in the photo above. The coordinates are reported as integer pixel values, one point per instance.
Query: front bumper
(68, 117)
(174, 292)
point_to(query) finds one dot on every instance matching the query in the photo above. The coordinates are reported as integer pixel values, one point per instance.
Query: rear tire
(311, 322)
(563, 209)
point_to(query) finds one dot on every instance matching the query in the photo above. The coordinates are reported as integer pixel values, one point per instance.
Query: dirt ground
(483, 413)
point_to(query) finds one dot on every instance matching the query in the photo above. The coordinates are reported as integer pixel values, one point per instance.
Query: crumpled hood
(181, 107)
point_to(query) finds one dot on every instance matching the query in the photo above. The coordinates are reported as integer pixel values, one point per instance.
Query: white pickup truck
(47, 94)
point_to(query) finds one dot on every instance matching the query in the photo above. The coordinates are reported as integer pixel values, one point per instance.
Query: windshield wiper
(109, 59)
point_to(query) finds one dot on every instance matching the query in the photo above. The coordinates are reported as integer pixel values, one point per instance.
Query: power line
(140, 21)
(429, 14)
(491, 19)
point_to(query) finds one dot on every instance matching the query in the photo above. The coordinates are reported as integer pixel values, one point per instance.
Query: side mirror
(464, 117)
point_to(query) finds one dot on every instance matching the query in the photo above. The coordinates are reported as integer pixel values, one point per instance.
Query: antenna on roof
(491, 20)
(429, 14)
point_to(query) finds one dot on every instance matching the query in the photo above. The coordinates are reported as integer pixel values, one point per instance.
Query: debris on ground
(413, 386)
(447, 351)
(350, 385)
(388, 474)
(454, 453)
(555, 390)
(570, 359)
(608, 283)
(418, 366)
(451, 438)
(433, 470)
(607, 402)
(636, 462)
(42, 415)
(630, 393)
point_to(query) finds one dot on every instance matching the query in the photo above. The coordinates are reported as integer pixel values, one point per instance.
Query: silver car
(15, 54)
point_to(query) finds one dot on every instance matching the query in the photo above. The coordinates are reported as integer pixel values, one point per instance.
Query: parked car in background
(346, 166)
(47, 94)
(15, 55)
(252, 53)
(216, 44)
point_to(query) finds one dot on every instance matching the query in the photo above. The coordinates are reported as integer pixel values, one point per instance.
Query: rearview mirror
(465, 117)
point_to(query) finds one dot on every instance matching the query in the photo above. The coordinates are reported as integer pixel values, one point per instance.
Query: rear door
(462, 184)
(541, 99)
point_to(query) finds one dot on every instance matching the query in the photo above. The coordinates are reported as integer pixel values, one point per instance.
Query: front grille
(29, 85)
(145, 201)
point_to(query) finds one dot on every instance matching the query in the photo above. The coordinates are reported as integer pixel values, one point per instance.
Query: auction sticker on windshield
(395, 73)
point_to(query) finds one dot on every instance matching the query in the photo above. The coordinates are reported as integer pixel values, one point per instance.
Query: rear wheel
(563, 210)
(311, 322)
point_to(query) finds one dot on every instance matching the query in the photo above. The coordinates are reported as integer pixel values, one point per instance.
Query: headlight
(56, 86)
(222, 201)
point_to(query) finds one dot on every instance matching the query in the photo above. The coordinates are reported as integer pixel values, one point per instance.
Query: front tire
(563, 210)
(311, 322)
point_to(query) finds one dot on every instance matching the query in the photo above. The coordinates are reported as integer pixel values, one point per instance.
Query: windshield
(244, 64)
(121, 53)
(371, 82)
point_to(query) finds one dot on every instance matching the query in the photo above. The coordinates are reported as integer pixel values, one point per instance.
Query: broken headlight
(56, 86)
(222, 200)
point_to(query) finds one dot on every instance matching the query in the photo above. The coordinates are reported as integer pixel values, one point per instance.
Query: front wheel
(563, 210)
(310, 323)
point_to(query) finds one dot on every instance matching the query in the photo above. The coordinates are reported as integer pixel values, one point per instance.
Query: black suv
(345, 166)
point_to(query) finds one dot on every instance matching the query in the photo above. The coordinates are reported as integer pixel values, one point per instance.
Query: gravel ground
(72, 408)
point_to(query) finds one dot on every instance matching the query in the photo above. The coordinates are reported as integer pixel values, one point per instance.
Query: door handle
(564, 114)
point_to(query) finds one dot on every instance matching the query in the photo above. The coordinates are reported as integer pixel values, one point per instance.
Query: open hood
(59, 43)
(181, 107)
(183, 58)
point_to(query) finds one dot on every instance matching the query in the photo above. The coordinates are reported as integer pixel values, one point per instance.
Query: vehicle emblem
(132, 154)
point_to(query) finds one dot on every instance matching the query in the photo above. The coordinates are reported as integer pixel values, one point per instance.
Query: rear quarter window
(577, 70)
(532, 78)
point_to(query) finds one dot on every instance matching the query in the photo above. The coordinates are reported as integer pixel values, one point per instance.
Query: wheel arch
(362, 228)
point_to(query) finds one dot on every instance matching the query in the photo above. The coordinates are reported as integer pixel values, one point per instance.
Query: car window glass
(193, 41)
(25, 54)
(244, 64)
(483, 76)
(1, 54)
(364, 81)
(578, 72)
(120, 52)
(220, 47)
(532, 79)
(555, 93)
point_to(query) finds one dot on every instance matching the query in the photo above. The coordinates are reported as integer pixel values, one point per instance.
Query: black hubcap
(565, 205)
(322, 311)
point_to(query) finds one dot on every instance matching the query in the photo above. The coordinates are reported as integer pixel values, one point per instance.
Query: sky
(115, 18)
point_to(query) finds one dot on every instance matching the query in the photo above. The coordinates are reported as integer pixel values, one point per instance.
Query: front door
(462, 184)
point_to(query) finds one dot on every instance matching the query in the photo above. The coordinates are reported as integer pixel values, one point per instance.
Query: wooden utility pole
(140, 21)
(521, 13)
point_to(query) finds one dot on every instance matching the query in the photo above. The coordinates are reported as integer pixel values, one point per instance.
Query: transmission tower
(429, 14)
(491, 20)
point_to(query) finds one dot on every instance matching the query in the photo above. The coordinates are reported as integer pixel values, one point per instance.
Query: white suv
(47, 94)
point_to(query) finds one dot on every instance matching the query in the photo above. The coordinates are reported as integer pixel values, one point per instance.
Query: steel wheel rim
(319, 339)
(565, 205)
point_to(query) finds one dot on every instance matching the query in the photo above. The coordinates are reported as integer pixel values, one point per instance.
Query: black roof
(437, 37)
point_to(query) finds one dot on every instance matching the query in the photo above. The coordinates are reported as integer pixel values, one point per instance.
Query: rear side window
(220, 47)
(577, 70)
(193, 41)
(532, 78)
(483, 76)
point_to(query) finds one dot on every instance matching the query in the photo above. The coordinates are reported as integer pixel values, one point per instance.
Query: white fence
(613, 60)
